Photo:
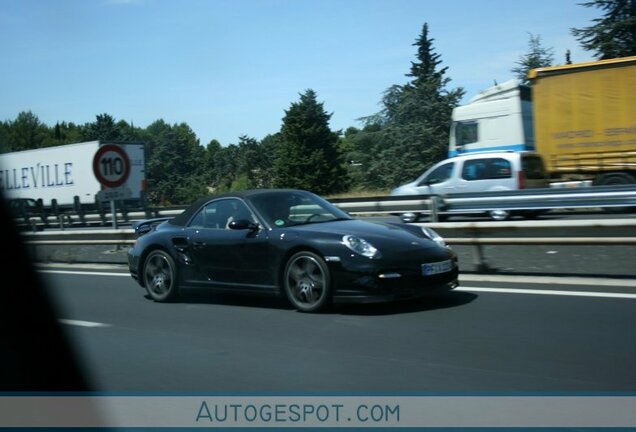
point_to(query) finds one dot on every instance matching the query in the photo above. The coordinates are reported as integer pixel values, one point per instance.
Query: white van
(480, 172)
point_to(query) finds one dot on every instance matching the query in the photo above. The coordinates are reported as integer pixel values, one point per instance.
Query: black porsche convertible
(290, 243)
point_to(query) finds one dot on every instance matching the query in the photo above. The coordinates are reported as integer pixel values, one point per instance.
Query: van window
(466, 133)
(486, 169)
(438, 175)
(532, 167)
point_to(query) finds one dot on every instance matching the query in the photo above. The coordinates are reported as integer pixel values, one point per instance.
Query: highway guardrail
(462, 203)
(476, 234)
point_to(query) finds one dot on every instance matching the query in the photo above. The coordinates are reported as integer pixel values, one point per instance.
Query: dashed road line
(79, 323)
(84, 273)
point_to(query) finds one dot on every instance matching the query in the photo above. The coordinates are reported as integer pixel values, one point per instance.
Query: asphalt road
(565, 335)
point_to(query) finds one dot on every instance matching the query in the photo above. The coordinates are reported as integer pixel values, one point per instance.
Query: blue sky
(232, 67)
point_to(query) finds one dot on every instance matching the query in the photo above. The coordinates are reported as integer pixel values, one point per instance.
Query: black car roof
(183, 218)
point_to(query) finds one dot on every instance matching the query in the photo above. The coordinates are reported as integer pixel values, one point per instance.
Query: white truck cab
(497, 119)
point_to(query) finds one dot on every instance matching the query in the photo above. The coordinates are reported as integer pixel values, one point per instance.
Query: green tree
(129, 132)
(26, 132)
(63, 133)
(225, 167)
(412, 130)
(4, 138)
(308, 156)
(254, 163)
(174, 167)
(269, 149)
(613, 35)
(103, 128)
(536, 57)
(213, 148)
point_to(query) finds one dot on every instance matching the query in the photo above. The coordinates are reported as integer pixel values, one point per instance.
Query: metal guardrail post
(41, 211)
(113, 213)
(100, 210)
(479, 259)
(77, 206)
(434, 208)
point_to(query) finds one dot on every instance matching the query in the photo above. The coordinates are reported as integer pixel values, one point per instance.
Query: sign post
(111, 167)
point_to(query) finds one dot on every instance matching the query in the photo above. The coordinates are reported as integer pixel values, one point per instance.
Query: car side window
(499, 169)
(486, 169)
(438, 175)
(474, 169)
(218, 214)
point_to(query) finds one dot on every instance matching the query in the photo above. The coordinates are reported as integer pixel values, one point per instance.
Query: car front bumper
(368, 281)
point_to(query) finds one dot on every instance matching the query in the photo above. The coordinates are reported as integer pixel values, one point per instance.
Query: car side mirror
(243, 224)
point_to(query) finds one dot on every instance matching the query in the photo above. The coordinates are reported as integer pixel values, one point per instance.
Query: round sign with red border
(111, 165)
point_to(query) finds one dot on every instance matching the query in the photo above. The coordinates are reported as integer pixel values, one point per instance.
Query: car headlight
(360, 246)
(428, 232)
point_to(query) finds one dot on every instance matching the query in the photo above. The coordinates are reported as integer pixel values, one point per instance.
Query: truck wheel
(616, 179)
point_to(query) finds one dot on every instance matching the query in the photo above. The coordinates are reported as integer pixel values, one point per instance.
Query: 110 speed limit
(111, 166)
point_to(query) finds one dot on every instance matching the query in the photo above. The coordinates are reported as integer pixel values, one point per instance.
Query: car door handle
(197, 244)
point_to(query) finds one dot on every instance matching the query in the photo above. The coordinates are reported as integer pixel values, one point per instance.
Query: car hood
(406, 189)
(379, 234)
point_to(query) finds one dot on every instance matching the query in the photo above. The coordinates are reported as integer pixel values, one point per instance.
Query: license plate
(436, 268)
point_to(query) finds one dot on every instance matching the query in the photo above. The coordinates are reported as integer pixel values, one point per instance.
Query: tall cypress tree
(414, 123)
(613, 35)
(308, 156)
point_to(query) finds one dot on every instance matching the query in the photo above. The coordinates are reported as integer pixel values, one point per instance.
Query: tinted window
(281, 209)
(532, 167)
(486, 169)
(438, 175)
(218, 214)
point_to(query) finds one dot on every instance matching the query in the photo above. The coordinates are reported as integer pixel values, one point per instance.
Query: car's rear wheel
(307, 282)
(160, 276)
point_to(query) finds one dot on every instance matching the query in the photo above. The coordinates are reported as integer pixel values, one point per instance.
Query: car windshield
(281, 209)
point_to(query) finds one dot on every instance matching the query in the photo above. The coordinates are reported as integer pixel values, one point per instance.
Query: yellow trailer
(585, 120)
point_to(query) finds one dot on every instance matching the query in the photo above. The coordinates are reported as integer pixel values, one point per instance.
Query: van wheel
(499, 215)
(409, 217)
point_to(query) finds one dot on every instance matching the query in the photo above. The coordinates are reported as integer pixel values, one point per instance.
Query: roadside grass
(359, 194)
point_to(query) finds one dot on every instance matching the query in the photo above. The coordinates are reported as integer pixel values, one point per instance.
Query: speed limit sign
(111, 166)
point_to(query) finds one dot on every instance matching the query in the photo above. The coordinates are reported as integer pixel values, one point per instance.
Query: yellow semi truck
(581, 118)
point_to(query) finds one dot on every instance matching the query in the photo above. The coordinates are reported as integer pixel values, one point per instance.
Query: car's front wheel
(160, 276)
(307, 282)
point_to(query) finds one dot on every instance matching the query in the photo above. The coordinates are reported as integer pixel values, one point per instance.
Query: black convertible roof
(183, 218)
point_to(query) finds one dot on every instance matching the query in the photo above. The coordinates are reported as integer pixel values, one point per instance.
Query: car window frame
(487, 169)
(424, 181)
(190, 224)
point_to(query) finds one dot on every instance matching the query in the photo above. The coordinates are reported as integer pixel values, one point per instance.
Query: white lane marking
(547, 292)
(485, 278)
(550, 280)
(84, 273)
(82, 323)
